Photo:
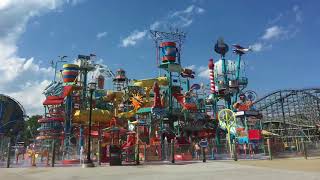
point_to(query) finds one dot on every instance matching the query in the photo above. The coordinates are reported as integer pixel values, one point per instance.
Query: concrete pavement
(200, 171)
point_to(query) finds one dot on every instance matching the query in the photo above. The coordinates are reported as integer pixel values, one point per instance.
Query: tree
(30, 131)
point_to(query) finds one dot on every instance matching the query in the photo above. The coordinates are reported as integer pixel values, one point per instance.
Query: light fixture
(92, 86)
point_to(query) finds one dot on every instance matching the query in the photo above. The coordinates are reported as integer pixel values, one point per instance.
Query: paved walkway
(200, 171)
(293, 164)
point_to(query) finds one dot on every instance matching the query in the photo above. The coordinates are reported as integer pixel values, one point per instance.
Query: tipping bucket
(100, 82)
(70, 72)
(169, 51)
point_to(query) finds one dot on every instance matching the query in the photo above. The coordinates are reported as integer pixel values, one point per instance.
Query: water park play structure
(144, 119)
(150, 112)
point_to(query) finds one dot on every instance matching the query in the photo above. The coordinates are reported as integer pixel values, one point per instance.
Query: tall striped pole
(213, 92)
(211, 73)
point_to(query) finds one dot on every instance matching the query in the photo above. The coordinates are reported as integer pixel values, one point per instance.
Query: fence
(271, 148)
(4, 143)
(191, 152)
(281, 148)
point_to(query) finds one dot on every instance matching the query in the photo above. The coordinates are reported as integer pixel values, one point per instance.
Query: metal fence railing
(4, 149)
(298, 148)
(56, 155)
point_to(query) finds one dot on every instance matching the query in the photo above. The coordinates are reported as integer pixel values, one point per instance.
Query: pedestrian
(81, 155)
(245, 149)
(197, 150)
(16, 152)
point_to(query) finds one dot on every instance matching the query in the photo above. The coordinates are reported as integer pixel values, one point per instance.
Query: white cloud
(256, 47)
(203, 72)
(298, 13)
(132, 39)
(192, 67)
(177, 19)
(75, 2)
(155, 25)
(22, 78)
(276, 19)
(200, 10)
(101, 35)
(273, 32)
(186, 11)
(31, 97)
(285, 26)
(184, 18)
(4, 4)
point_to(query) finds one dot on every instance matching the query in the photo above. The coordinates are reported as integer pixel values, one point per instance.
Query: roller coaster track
(294, 111)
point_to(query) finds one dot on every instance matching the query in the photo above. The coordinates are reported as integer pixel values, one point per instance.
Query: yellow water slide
(98, 115)
(126, 115)
(147, 84)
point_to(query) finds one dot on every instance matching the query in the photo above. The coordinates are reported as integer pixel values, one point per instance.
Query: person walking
(197, 151)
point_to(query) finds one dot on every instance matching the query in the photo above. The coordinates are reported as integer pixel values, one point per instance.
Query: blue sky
(283, 34)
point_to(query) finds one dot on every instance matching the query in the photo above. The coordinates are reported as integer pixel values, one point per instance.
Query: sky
(284, 37)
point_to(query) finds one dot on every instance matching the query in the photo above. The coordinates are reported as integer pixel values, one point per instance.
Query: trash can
(115, 155)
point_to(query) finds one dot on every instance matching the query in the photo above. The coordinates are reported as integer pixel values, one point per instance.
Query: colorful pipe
(211, 72)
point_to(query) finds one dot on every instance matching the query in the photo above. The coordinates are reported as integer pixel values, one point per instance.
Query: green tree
(30, 132)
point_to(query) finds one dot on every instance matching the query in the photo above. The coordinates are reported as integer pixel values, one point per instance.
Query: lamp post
(92, 88)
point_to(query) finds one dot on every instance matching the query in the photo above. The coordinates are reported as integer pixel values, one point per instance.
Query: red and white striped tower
(211, 72)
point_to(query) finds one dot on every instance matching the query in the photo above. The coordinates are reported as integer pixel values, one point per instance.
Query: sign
(239, 113)
(203, 143)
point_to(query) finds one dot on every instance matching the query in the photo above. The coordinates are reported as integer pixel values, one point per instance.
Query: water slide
(129, 114)
(116, 97)
(98, 115)
(53, 89)
(181, 99)
(129, 143)
(147, 84)
(81, 116)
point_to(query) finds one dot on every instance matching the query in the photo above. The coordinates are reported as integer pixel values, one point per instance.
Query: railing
(161, 153)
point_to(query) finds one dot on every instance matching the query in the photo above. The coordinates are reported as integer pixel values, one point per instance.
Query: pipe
(211, 71)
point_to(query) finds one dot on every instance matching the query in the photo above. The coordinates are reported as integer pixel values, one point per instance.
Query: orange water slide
(181, 99)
